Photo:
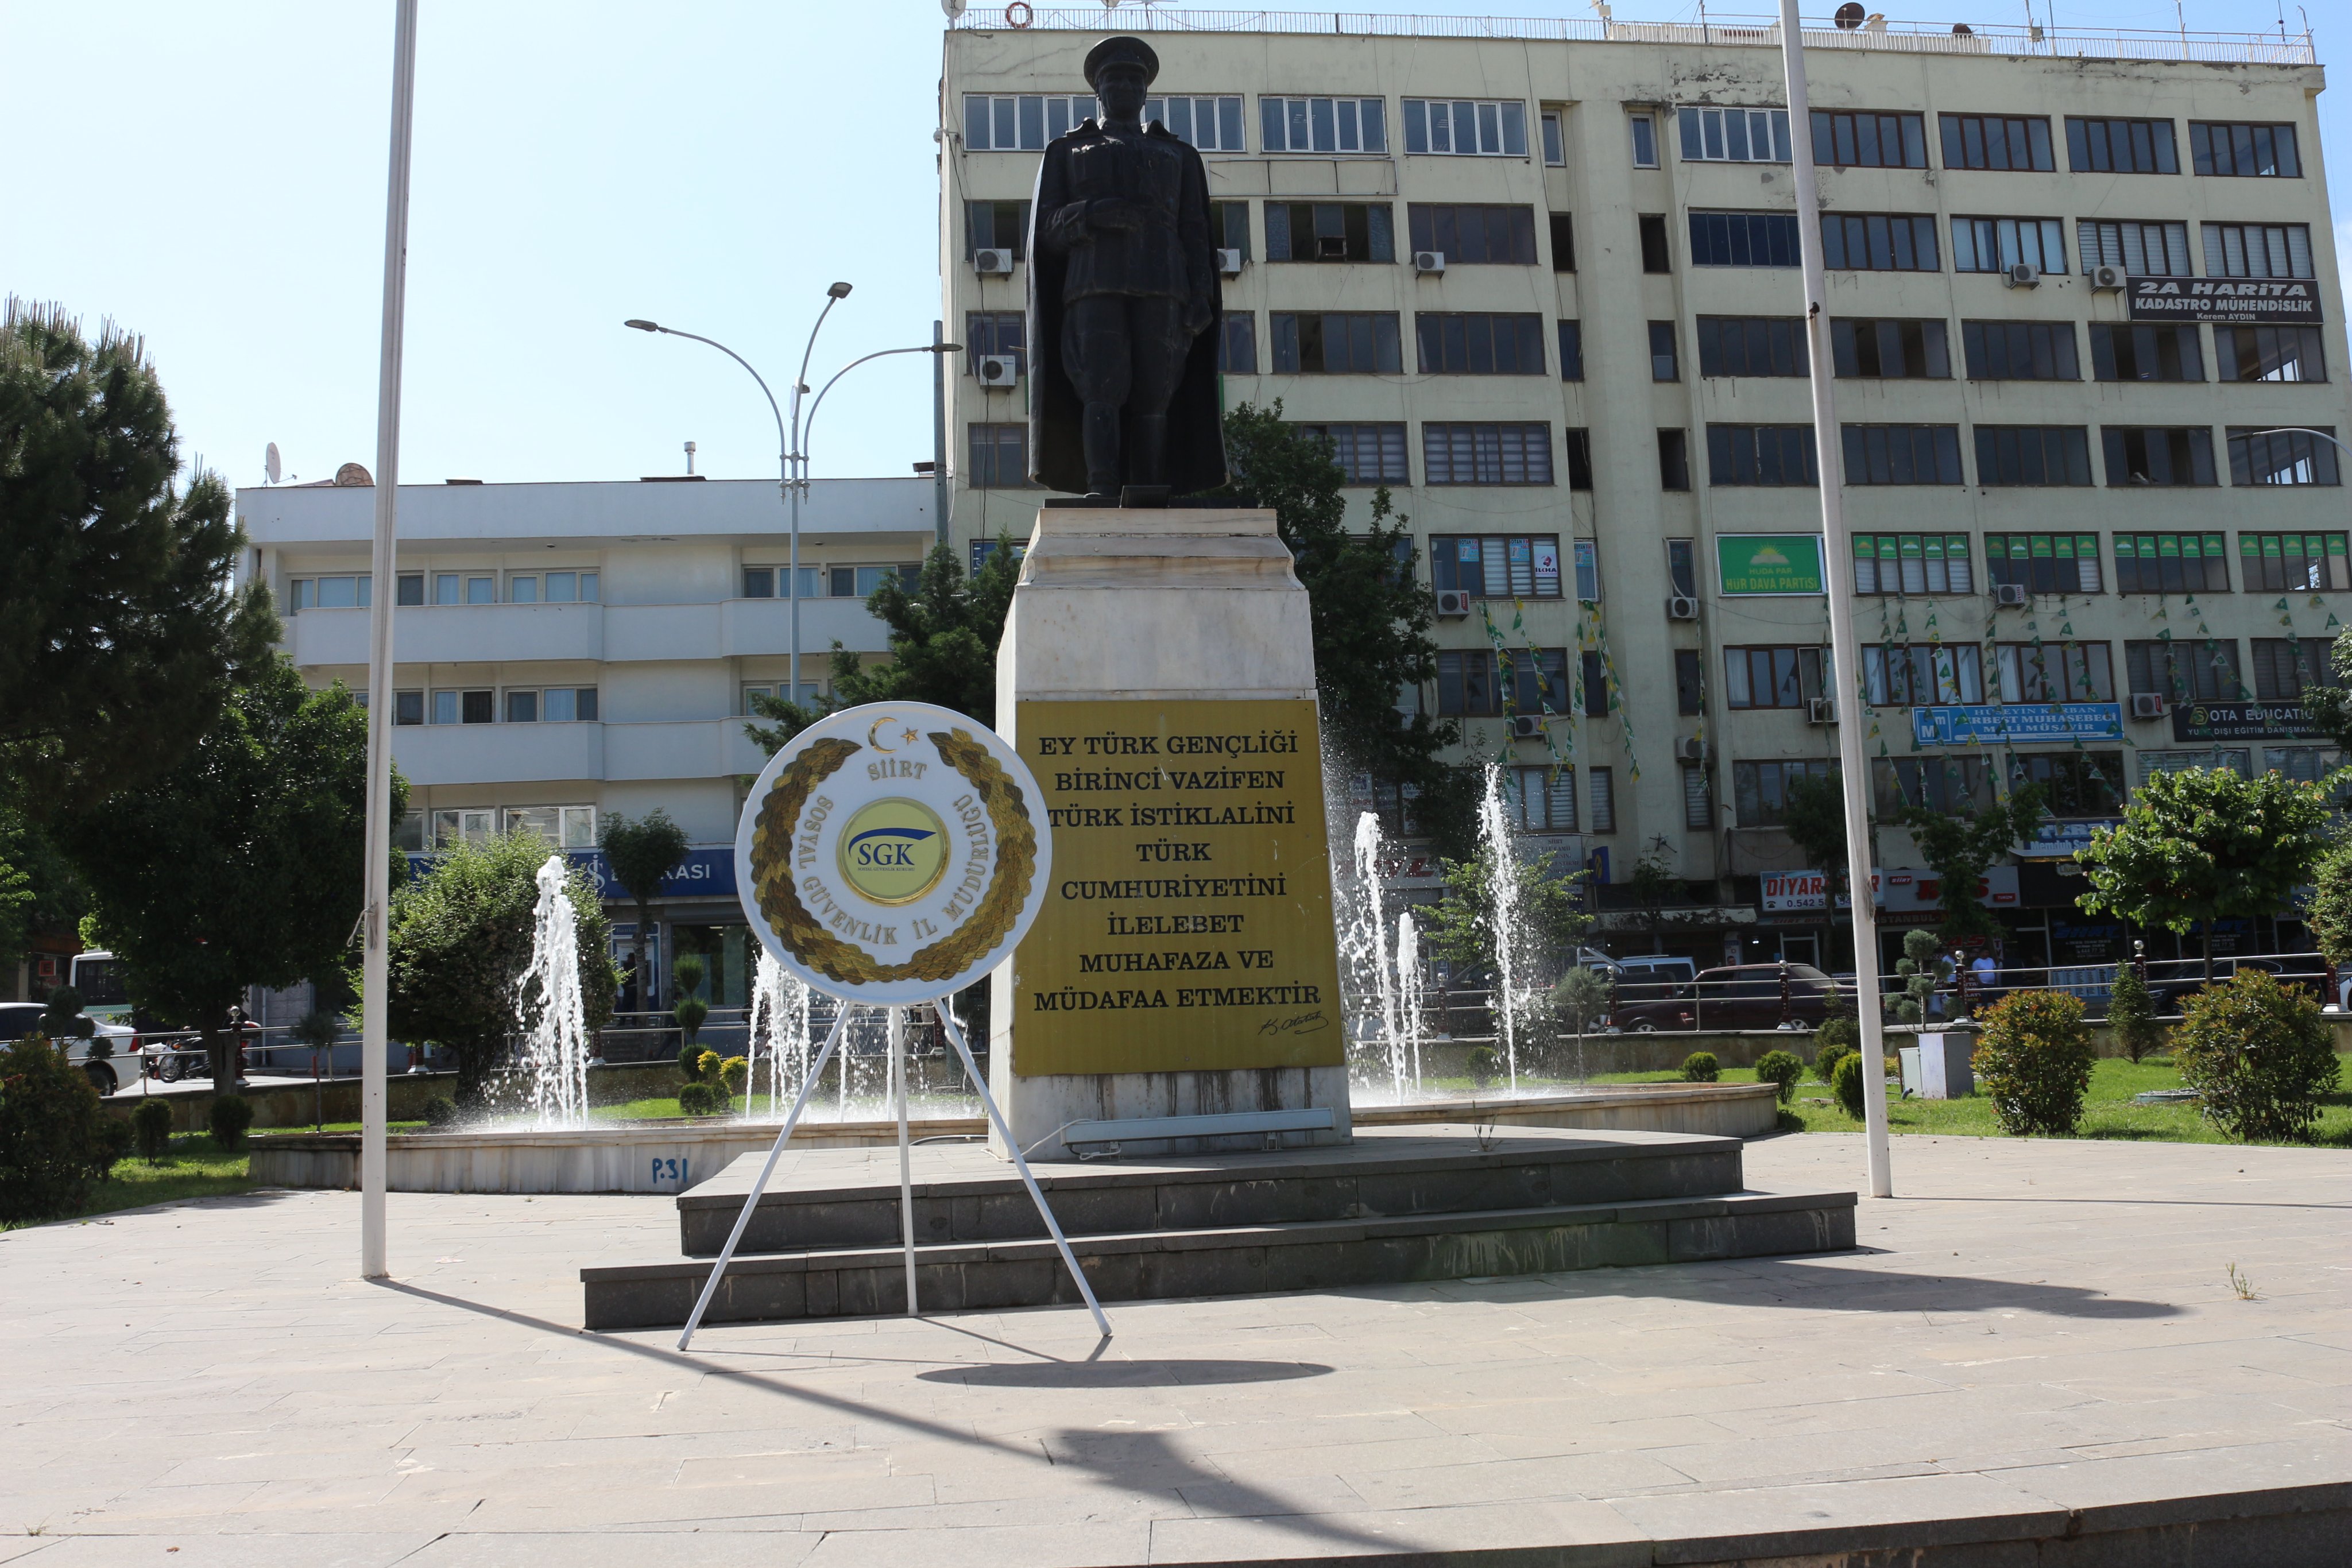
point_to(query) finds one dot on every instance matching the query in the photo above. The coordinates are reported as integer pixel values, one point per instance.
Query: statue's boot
(1099, 438)
(1150, 462)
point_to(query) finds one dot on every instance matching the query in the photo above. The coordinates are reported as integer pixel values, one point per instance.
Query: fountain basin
(669, 1156)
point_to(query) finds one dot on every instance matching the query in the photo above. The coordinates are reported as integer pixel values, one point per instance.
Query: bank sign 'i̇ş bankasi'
(893, 853)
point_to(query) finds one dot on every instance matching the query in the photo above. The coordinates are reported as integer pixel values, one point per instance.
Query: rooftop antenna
(689, 457)
(954, 8)
(270, 463)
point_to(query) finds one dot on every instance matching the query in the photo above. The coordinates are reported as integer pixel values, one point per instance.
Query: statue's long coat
(1196, 444)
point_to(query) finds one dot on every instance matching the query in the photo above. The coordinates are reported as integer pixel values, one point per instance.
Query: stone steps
(1388, 1209)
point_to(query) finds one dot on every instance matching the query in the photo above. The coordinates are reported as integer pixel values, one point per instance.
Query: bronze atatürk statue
(1123, 302)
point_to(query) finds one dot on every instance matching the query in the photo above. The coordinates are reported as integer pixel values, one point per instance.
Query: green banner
(1768, 563)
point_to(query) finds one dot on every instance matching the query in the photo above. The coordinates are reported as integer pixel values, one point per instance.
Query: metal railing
(2282, 48)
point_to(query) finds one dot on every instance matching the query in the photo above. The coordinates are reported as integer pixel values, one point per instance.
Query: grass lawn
(193, 1168)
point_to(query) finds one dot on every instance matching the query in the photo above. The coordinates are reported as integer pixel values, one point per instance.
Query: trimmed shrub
(111, 1146)
(700, 1100)
(2131, 1014)
(1825, 1060)
(734, 1073)
(48, 1124)
(706, 1067)
(1700, 1067)
(440, 1114)
(1846, 1084)
(1485, 1064)
(1781, 1070)
(2034, 1062)
(150, 1125)
(232, 1114)
(2259, 1054)
(689, 1061)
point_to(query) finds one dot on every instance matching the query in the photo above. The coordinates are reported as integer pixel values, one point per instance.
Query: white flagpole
(1837, 563)
(374, 967)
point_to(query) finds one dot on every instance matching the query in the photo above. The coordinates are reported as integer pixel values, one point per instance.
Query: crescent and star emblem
(874, 734)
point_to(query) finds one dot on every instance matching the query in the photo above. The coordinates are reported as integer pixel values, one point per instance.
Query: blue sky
(213, 177)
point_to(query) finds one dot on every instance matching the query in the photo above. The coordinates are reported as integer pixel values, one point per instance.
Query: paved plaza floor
(2038, 1339)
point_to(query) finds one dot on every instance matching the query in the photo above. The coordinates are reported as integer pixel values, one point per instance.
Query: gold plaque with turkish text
(1187, 926)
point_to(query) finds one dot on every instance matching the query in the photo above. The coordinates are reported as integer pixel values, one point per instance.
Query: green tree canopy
(1461, 925)
(641, 853)
(1958, 848)
(2206, 845)
(242, 866)
(120, 635)
(460, 940)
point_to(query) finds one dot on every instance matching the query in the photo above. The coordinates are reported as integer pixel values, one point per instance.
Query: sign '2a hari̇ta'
(894, 852)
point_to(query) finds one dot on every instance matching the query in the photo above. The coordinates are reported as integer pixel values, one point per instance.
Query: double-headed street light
(793, 461)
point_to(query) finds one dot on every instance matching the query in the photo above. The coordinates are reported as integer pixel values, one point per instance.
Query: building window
(2014, 142)
(1644, 129)
(1000, 458)
(1743, 239)
(1880, 242)
(562, 827)
(2292, 563)
(1890, 349)
(2044, 563)
(2282, 457)
(409, 588)
(1760, 790)
(1950, 784)
(2185, 671)
(1760, 455)
(523, 706)
(1563, 242)
(1335, 343)
(1673, 460)
(2142, 249)
(2267, 353)
(2120, 146)
(1602, 785)
(1472, 454)
(1571, 351)
(451, 828)
(995, 226)
(1751, 346)
(1902, 453)
(568, 704)
(1329, 231)
(2285, 666)
(1698, 801)
(1912, 564)
(465, 708)
(2159, 455)
(1864, 140)
(863, 581)
(1496, 566)
(1237, 343)
(332, 592)
(995, 332)
(1555, 143)
(2258, 250)
(2226, 147)
(762, 581)
(1996, 245)
(1020, 122)
(1579, 443)
(2055, 673)
(572, 587)
(1470, 685)
(407, 707)
(773, 690)
(1734, 135)
(1586, 553)
(1479, 343)
(522, 588)
(2019, 350)
(1596, 684)
(2032, 454)
(1690, 683)
(1367, 453)
(1471, 235)
(1923, 675)
(1663, 366)
(1543, 799)
(2146, 353)
(1211, 123)
(1465, 128)
(1772, 676)
(1324, 124)
(2074, 784)
(1654, 255)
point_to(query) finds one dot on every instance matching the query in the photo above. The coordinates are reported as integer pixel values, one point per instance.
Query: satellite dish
(270, 463)
(1849, 16)
(954, 8)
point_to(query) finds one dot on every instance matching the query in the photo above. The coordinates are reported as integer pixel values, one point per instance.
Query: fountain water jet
(1410, 989)
(547, 1004)
(1502, 917)
(1368, 944)
(777, 1023)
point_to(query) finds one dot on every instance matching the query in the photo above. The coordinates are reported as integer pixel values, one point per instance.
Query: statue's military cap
(1122, 51)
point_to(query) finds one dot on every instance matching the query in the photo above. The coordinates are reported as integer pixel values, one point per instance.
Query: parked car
(106, 1073)
(1652, 977)
(2172, 981)
(1739, 996)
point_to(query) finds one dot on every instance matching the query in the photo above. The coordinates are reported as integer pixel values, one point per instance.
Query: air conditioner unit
(993, 263)
(1820, 710)
(1331, 248)
(1682, 607)
(1429, 263)
(2107, 278)
(1691, 749)
(1452, 603)
(2025, 274)
(2009, 595)
(1527, 726)
(2149, 704)
(998, 369)
(1229, 262)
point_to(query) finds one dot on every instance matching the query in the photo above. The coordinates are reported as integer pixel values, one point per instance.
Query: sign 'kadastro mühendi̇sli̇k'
(893, 853)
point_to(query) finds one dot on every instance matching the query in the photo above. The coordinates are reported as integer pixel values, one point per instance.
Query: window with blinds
(1496, 566)
(2143, 249)
(1367, 453)
(2284, 666)
(1542, 799)
(1602, 790)
(2292, 563)
(1475, 454)
(2055, 673)
(2258, 250)
(2171, 563)
(2044, 563)
(2190, 670)
(1912, 564)
(1699, 800)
